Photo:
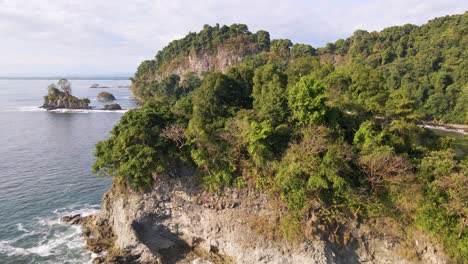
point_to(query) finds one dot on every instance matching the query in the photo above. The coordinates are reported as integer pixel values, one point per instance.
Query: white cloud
(48, 37)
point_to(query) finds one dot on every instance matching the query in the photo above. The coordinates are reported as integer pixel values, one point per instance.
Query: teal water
(45, 170)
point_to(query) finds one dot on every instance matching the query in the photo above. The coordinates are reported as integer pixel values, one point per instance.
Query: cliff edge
(176, 222)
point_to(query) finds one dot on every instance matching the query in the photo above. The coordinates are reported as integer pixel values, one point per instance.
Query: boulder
(72, 219)
(112, 107)
(105, 96)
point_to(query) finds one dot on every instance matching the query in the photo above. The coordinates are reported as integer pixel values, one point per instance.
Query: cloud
(40, 37)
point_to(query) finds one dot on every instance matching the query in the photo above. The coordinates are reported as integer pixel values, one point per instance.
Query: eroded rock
(112, 107)
(105, 97)
(176, 222)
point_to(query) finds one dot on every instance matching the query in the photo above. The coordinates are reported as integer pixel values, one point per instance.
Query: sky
(111, 37)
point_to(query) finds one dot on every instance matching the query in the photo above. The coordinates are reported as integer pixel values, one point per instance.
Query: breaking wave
(49, 240)
(66, 111)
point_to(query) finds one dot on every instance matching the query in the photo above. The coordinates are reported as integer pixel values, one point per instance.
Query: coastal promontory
(251, 150)
(60, 96)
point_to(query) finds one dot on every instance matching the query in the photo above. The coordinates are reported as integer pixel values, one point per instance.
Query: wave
(28, 109)
(50, 239)
(454, 130)
(87, 111)
(65, 111)
(20, 227)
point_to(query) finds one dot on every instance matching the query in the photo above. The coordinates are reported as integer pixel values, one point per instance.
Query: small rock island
(112, 107)
(60, 96)
(105, 97)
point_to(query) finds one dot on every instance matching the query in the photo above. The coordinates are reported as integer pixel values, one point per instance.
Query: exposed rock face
(231, 53)
(334, 59)
(200, 62)
(72, 219)
(112, 107)
(56, 99)
(105, 97)
(176, 222)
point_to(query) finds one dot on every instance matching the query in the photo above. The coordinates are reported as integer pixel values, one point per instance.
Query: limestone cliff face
(220, 60)
(176, 222)
(334, 59)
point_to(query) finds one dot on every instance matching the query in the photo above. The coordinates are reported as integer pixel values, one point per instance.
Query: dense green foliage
(426, 65)
(329, 143)
(136, 150)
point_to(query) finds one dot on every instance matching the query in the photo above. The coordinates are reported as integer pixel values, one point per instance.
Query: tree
(189, 82)
(217, 99)
(281, 46)
(263, 40)
(316, 167)
(243, 76)
(135, 149)
(367, 88)
(301, 67)
(176, 133)
(382, 166)
(302, 50)
(400, 105)
(269, 94)
(306, 101)
(65, 86)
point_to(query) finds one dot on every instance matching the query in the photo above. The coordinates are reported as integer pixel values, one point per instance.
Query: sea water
(45, 169)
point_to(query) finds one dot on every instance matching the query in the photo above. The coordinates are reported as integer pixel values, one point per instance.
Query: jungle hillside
(331, 133)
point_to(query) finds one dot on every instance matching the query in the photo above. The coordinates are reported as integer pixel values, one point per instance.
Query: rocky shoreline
(456, 128)
(177, 222)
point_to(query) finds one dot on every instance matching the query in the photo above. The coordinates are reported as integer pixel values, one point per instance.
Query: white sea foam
(454, 130)
(87, 111)
(20, 227)
(66, 111)
(27, 109)
(52, 239)
(73, 210)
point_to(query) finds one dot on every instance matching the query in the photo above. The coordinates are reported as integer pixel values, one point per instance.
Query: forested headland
(327, 132)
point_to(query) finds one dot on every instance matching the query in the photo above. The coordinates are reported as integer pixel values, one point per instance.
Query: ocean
(45, 169)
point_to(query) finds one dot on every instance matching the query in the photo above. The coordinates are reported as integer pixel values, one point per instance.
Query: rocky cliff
(227, 55)
(176, 222)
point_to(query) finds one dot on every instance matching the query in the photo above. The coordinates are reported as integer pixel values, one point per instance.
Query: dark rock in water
(105, 96)
(56, 99)
(98, 234)
(72, 219)
(95, 85)
(112, 107)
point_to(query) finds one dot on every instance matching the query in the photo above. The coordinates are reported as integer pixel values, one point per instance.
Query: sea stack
(59, 97)
(105, 97)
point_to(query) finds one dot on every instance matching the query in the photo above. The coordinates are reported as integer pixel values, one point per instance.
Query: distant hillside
(426, 66)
